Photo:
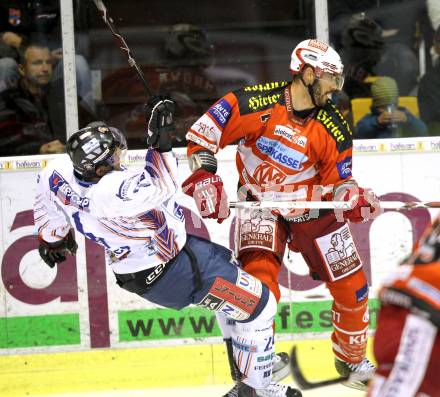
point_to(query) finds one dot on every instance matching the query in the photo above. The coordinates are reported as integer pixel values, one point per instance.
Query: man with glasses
(293, 145)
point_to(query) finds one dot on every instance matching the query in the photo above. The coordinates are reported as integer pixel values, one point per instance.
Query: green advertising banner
(159, 324)
(32, 331)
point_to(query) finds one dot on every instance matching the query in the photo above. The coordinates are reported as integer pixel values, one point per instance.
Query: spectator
(362, 49)
(343, 103)
(387, 120)
(429, 93)
(25, 127)
(39, 21)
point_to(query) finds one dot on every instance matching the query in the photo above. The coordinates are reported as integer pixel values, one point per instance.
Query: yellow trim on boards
(119, 369)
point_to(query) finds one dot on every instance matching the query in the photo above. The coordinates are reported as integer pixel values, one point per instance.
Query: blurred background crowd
(197, 53)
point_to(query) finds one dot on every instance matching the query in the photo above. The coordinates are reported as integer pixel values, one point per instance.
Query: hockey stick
(336, 205)
(302, 382)
(121, 42)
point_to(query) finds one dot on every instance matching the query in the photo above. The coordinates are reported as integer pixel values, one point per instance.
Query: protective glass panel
(392, 73)
(32, 115)
(195, 52)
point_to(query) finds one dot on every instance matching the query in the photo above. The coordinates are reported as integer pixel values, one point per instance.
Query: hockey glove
(209, 194)
(53, 253)
(366, 205)
(160, 117)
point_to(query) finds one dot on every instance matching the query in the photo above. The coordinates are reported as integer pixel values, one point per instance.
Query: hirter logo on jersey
(268, 174)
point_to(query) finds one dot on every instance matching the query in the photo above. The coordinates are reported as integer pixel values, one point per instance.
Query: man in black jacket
(25, 127)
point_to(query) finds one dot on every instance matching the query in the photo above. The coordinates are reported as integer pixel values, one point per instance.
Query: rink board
(78, 309)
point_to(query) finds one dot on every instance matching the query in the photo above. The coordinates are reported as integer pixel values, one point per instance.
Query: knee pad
(253, 346)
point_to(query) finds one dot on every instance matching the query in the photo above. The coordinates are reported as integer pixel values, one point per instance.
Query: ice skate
(281, 368)
(241, 390)
(277, 390)
(279, 371)
(273, 390)
(359, 374)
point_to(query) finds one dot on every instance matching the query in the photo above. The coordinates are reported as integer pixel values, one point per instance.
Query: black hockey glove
(53, 253)
(160, 117)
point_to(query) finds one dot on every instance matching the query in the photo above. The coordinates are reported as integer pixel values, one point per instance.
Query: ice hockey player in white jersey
(133, 214)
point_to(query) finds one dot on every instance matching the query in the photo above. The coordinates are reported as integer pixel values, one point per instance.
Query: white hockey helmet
(320, 56)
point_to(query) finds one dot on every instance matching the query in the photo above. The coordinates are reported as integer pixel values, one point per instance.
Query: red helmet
(320, 56)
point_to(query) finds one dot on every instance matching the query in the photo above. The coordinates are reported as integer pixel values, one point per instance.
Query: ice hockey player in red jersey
(293, 144)
(407, 339)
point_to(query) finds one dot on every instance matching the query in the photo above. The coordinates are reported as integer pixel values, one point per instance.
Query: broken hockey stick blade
(108, 20)
(302, 382)
(336, 205)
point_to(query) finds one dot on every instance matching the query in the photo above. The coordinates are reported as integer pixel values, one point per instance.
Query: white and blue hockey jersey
(132, 214)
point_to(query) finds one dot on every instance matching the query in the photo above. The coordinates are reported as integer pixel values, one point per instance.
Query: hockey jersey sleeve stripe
(123, 235)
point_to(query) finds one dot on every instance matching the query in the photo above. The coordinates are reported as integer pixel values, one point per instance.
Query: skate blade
(281, 374)
(358, 385)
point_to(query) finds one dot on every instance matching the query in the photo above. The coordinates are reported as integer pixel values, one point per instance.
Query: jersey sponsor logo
(234, 312)
(238, 302)
(281, 153)
(267, 173)
(362, 293)
(201, 142)
(328, 122)
(344, 168)
(257, 232)
(249, 283)
(265, 87)
(140, 183)
(221, 112)
(261, 102)
(123, 189)
(318, 44)
(65, 193)
(291, 135)
(339, 253)
(244, 346)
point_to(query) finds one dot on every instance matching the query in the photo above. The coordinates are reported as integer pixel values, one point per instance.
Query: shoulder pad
(255, 98)
(336, 126)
